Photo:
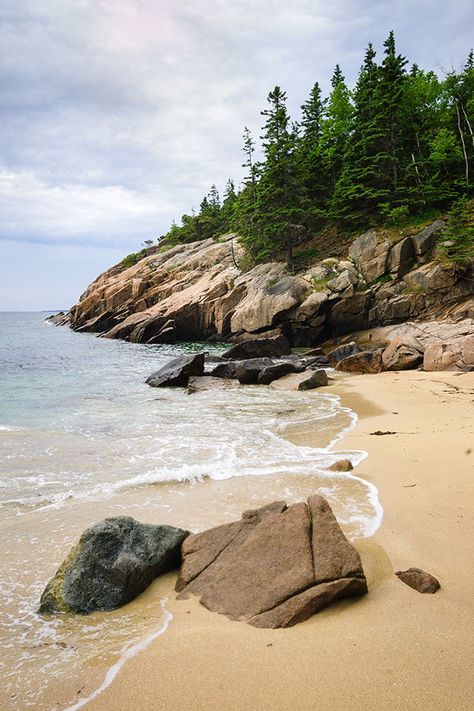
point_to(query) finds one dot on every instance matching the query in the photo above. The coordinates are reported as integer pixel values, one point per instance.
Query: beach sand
(393, 649)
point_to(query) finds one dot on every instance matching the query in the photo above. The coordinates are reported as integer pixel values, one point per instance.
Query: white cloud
(117, 115)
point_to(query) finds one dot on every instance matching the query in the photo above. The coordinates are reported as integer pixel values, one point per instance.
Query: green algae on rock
(113, 562)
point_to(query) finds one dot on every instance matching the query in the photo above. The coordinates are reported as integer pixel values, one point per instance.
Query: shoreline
(393, 649)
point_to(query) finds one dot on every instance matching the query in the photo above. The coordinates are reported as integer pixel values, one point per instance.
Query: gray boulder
(317, 379)
(273, 372)
(177, 371)
(259, 348)
(225, 370)
(248, 370)
(113, 562)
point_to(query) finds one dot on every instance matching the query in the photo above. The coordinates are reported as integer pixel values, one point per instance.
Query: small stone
(343, 465)
(419, 580)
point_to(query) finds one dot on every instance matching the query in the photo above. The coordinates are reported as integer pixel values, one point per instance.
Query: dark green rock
(113, 562)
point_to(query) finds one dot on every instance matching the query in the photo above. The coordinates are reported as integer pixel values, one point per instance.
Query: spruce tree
(310, 160)
(335, 130)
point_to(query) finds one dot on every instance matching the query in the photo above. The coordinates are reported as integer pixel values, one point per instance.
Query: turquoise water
(83, 437)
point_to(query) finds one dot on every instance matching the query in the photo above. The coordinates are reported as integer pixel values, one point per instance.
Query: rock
(363, 362)
(59, 319)
(419, 580)
(343, 465)
(370, 255)
(342, 351)
(177, 371)
(113, 562)
(317, 379)
(343, 281)
(274, 372)
(203, 383)
(431, 277)
(402, 353)
(313, 352)
(275, 567)
(455, 354)
(401, 258)
(225, 370)
(424, 242)
(259, 348)
(247, 371)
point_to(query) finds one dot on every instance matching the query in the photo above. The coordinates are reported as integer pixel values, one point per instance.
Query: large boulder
(275, 567)
(113, 562)
(341, 352)
(363, 362)
(259, 348)
(225, 370)
(455, 354)
(403, 353)
(177, 371)
(401, 258)
(424, 242)
(317, 379)
(248, 370)
(370, 255)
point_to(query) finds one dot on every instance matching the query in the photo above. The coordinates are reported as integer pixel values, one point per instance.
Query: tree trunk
(466, 161)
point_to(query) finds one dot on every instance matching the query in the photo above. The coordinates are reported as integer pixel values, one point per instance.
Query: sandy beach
(392, 649)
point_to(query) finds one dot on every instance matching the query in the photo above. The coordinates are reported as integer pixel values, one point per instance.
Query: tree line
(397, 145)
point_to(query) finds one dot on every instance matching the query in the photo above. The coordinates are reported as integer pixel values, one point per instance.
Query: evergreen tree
(335, 131)
(359, 189)
(278, 207)
(311, 165)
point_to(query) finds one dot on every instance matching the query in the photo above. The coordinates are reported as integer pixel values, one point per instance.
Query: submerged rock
(419, 580)
(113, 562)
(275, 567)
(177, 371)
(343, 465)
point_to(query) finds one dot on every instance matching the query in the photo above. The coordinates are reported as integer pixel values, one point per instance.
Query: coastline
(393, 649)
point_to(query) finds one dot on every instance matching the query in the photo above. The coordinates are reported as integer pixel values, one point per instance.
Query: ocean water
(82, 437)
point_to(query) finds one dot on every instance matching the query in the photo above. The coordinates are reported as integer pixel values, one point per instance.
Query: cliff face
(197, 292)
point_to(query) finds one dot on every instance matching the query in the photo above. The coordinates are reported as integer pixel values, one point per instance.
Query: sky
(116, 116)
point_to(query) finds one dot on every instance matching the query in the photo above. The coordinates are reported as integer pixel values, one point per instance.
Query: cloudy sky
(117, 115)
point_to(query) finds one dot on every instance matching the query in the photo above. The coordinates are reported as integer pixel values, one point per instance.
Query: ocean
(83, 437)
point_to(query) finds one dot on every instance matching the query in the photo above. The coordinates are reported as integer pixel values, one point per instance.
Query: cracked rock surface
(275, 567)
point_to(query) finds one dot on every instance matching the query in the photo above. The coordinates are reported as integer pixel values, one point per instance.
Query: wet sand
(392, 649)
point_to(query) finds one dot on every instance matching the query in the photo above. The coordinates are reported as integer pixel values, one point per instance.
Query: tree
(276, 224)
(335, 130)
(310, 160)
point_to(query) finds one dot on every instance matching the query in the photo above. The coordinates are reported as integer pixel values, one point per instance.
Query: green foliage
(131, 259)
(457, 240)
(397, 146)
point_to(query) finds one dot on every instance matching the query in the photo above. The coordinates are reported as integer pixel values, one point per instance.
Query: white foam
(128, 652)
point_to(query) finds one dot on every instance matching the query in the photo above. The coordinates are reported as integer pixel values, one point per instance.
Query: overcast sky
(117, 115)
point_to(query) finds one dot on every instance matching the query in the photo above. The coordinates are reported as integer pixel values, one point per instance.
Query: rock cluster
(196, 292)
(275, 567)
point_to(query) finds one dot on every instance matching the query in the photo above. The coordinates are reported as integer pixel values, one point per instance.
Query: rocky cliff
(200, 291)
